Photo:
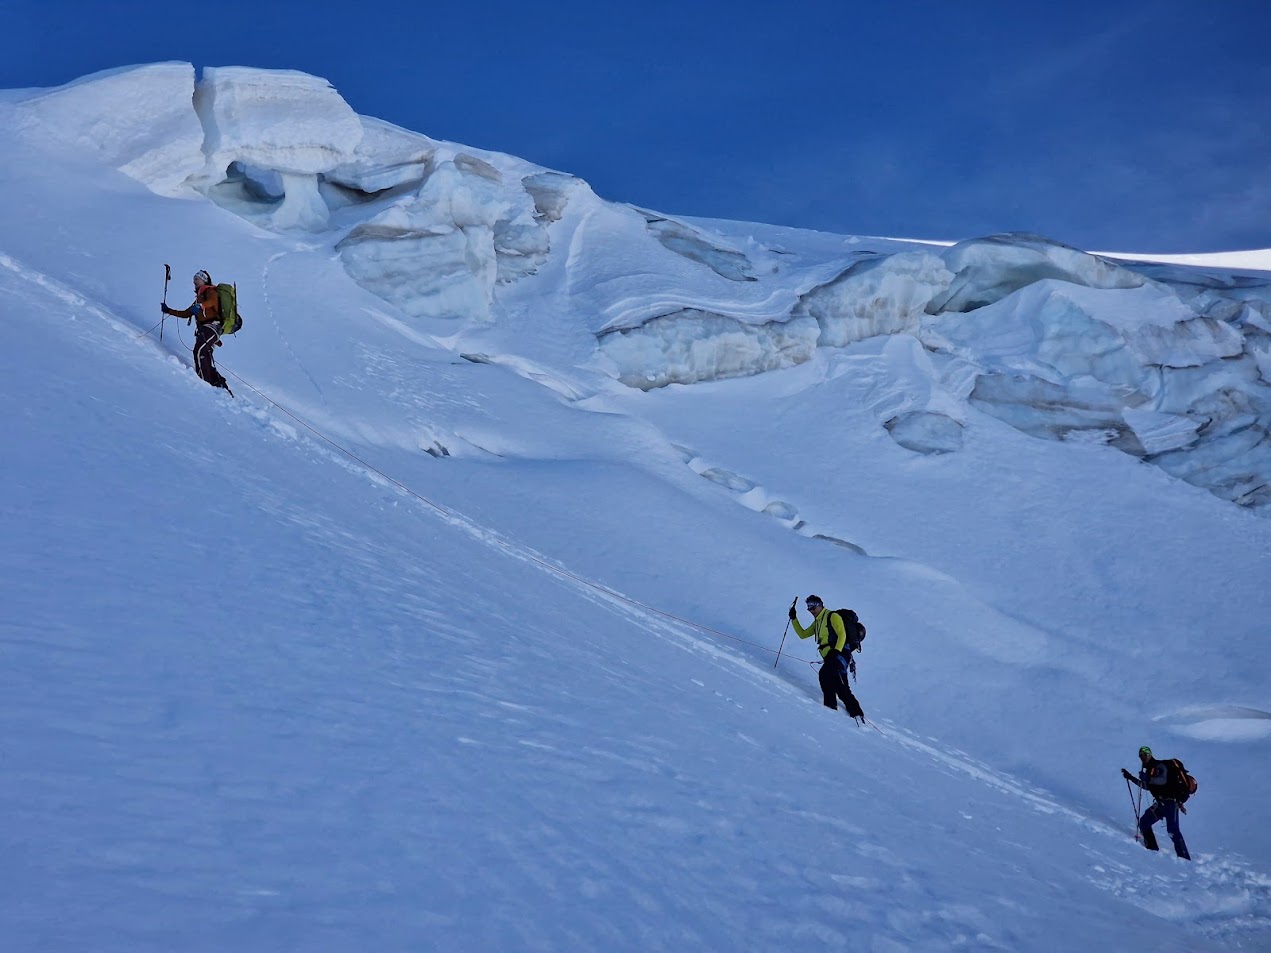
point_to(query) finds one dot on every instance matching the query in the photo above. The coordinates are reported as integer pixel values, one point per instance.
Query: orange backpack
(1179, 783)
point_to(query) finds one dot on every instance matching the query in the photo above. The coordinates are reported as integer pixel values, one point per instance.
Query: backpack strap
(830, 636)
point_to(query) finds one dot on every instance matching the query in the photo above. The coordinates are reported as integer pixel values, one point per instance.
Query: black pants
(833, 678)
(205, 338)
(1167, 811)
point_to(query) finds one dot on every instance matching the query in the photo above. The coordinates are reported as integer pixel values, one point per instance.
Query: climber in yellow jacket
(831, 642)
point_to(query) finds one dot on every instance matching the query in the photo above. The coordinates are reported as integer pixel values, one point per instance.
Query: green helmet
(1146, 750)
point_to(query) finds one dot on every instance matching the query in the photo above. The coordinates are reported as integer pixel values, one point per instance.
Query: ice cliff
(1169, 364)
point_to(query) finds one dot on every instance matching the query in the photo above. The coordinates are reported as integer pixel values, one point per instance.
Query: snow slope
(443, 634)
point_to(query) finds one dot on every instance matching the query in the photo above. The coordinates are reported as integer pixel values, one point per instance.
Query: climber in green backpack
(215, 311)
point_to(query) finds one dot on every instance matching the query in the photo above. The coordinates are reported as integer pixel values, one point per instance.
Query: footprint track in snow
(273, 319)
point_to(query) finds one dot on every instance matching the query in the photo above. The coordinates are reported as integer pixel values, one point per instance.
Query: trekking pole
(167, 276)
(1135, 807)
(784, 634)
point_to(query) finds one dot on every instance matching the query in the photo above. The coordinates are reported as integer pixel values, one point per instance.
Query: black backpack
(854, 629)
(1178, 783)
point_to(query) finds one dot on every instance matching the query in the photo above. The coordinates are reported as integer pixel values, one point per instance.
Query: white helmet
(202, 278)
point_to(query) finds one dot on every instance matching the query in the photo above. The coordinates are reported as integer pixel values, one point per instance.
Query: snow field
(258, 696)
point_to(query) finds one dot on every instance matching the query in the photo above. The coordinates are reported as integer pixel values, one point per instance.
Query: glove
(165, 309)
(1126, 774)
(794, 613)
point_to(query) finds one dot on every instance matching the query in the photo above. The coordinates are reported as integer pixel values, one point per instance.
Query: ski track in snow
(1236, 898)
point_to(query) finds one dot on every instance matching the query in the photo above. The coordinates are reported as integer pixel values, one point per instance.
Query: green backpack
(231, 320)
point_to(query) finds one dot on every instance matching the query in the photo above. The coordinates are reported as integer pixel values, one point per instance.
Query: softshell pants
(1167, 810)
(205, 338)
(834, 685)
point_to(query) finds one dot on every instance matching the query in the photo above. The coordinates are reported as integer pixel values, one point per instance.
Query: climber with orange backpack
(1170, 785)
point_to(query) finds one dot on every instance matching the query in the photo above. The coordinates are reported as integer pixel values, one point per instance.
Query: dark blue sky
(1130, 125)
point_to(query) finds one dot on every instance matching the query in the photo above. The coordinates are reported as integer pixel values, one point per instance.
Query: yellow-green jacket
(829, 632)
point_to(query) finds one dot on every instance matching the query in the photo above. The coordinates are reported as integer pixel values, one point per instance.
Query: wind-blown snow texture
(456, 629)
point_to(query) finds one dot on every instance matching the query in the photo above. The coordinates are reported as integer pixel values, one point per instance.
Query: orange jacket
(206, 307)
